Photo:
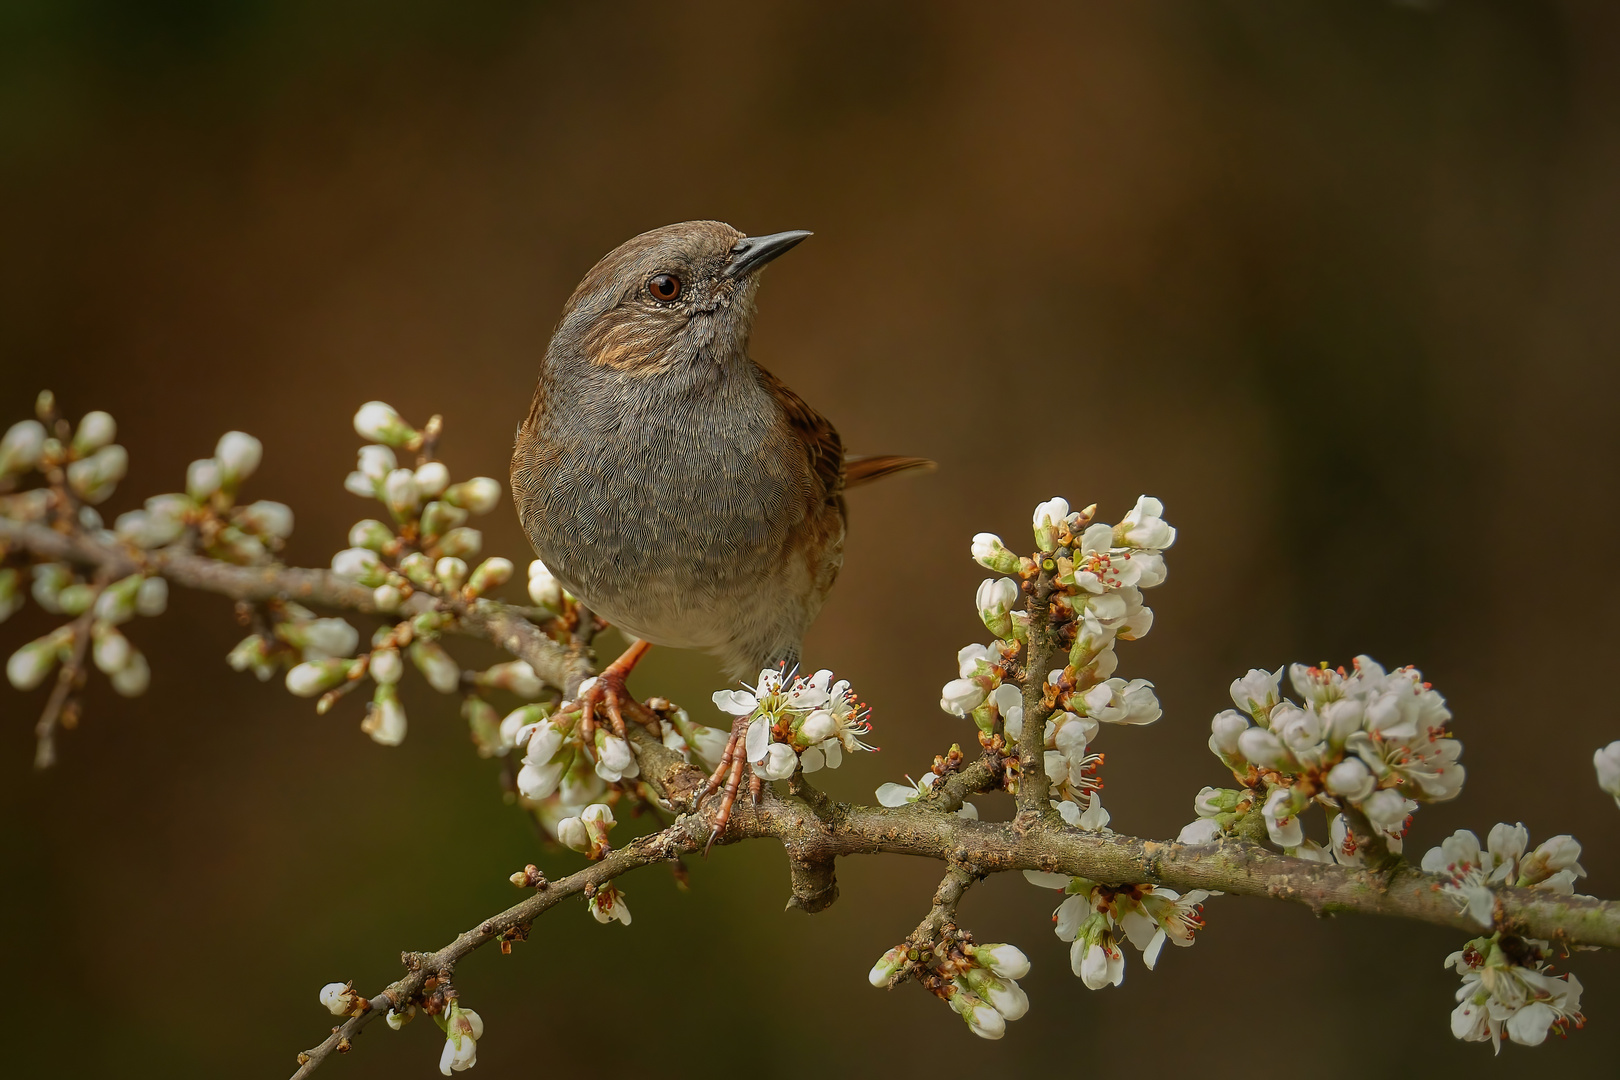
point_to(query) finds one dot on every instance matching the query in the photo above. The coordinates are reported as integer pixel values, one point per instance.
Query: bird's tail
(863, 470)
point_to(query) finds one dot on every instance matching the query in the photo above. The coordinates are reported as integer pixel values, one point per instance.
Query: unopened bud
(461, 543)
(22, 447)
(439, 517)
(203, 478)
(399, 492)
(432, 478)
(96, 429)
(514, 675)
(238, 455)
(361, 565)
(377, 420)
(95, 477)
(544, 589)
(478, 495)
(990, 553)
(134, 677)
(267, 518)
(314, 677)
(385, 717)
(438, 667)
(491, 573)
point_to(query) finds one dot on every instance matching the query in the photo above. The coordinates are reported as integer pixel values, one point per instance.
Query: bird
(680, 490)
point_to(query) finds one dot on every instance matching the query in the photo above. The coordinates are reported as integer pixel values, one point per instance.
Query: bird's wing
(822, 444)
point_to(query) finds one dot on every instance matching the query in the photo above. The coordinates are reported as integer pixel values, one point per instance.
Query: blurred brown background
(1333, 280)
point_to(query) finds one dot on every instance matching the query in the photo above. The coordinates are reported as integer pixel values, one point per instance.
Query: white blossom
(1144, 526)
(462, 1030)
(608, 905)
(1607, 763)
(339, 998)
(1256, 693)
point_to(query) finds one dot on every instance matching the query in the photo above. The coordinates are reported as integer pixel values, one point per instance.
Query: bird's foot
(729, 773)
(608, 692)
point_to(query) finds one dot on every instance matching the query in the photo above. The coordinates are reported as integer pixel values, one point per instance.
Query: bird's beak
(752, 252)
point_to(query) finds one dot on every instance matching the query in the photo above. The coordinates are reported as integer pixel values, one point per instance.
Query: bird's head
(674, 295)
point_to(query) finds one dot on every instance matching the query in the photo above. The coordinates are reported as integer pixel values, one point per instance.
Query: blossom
(981, 1017)
(989, 552)
(1163, 915)
(905, 794)
(1282, 823)
(995, 600)
(1499, 994)
(1607, 763)
(608, 905)
(1049, 517)
(238, 454)
(544, 589)
(1144, 526)
(339, 998)
(1256, 693)
(462, 1030)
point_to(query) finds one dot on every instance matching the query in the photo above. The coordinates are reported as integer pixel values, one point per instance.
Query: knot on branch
(815, 883)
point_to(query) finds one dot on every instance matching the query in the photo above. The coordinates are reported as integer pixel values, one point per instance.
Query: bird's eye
(664, 287)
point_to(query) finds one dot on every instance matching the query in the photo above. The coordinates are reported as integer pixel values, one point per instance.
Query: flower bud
(22, 447)
(1050, 516)
(514, 675)
(1008, 961)
(385, 717)
(29, 665)
(147, 530)
(339, 998)
(539, 782)
(818, 726)
(439, 517)
(397, 1020)
(203, 478)
(451, 572)
(1385, 809)
(432, 478)
(267, 518)
(461, 543)
(571, 833)
(491, 573)
(1607, 763)
(483, 725)
(519, 727)
(399, 492)
(779, 762)
(95, 477)
(1282, 820)
(377, 421)
(387, 598)
(889, 963)
(1350, 779)
(361, 565)
(96, 429)
(478, 495)
(134, 677)
(238, 455)
(116, 604)
(614, 760)
(370, 534)
(76, 598)
(152, 598)
(981, 1017)
(995, 599)
(375, 463)
(314, 677)
(1004, 995)
(252, 653)
(961, 696)
(544, 589)
(109, 649)
(386, 666)
(419, 569)
(462, 1030)
(438, 667)
(989, 552)
(1263, 748)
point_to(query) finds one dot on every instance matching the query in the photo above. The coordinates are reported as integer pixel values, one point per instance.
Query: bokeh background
(1336, 281)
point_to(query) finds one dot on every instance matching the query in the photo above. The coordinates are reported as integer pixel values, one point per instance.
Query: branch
(492, 621)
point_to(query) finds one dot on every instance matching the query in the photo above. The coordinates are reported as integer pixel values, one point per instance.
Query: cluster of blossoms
(1096, 918)
(1471, 872)
(80, 467)
(978, 982)
(797, 722)
(1099, 572)
(424, 550)
(462, 1027)
(1507, 986)
(1374, 741)
(1507, 980)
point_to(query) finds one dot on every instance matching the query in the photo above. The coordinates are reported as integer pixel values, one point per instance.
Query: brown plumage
(686, 494)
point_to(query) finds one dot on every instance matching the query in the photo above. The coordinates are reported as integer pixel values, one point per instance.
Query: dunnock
(671, 483)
